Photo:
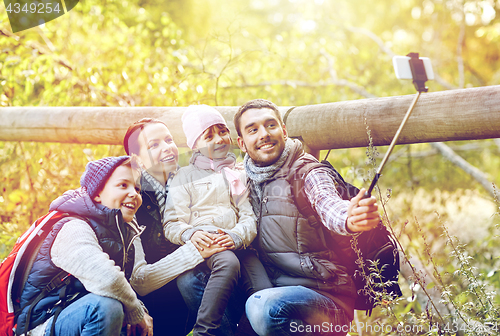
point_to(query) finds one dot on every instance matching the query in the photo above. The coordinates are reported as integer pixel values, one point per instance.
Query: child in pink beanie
(209, 205)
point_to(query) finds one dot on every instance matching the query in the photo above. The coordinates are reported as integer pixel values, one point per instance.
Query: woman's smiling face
(158, 151)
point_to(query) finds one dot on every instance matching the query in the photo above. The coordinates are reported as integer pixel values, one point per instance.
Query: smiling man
(310, 287)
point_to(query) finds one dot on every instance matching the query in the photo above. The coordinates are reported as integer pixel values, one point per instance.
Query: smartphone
(403, 70)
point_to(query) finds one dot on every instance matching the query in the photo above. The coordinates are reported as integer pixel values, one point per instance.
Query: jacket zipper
(139, 231)
(264, 202)
(123, 242)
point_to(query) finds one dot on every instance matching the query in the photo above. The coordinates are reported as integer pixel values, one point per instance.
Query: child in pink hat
(209, 205)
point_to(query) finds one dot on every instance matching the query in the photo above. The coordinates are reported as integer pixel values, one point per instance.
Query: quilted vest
(293, 251)
(44, 270)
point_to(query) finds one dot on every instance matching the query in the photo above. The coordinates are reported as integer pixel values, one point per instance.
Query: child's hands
(224, 240)
(201, 240)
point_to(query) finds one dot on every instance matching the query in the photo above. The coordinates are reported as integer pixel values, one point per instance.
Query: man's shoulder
(305, 164)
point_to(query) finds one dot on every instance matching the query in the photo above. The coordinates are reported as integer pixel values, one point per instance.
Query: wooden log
(463, 114)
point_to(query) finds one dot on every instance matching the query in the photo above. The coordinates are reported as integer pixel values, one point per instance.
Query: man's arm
(338, 215)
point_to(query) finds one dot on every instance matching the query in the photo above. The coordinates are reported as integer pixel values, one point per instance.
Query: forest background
(293, 52)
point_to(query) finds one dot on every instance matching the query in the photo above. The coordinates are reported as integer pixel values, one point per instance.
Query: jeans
(225, 272)
(295, 310)
(90, 315)
(192, 285)
(168, 310)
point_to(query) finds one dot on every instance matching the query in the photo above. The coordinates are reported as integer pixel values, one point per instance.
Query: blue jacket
(114, 238)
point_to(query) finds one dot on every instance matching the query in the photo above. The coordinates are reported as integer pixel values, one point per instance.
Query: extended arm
(340, 216)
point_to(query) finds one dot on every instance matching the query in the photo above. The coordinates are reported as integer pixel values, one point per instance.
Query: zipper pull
(264, 202)
(53, 307)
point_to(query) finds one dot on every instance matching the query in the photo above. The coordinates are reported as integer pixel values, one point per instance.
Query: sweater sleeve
(246, 228)
(149, 277)
(324, 198)
(77, 251)
(177, 216)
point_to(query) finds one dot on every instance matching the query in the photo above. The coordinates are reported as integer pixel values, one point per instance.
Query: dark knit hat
(97, 173)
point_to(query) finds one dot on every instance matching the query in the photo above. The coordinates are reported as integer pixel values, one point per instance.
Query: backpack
(357, 253)
(15, 269)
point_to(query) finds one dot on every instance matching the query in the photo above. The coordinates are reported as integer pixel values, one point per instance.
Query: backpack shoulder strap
(297, 188)
(27, 257)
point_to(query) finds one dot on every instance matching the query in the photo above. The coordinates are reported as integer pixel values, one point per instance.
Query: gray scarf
(258, 175)
(161, 191)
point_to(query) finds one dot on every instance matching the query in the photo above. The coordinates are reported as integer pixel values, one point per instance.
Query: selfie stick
(419, 79)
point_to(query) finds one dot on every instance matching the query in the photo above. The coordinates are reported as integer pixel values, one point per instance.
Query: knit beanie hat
(97, 173)
(196, 119)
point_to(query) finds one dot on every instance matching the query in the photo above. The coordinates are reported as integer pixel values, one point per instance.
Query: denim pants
(295, 310)
(90, 315)
(208, 290)
(168, 310)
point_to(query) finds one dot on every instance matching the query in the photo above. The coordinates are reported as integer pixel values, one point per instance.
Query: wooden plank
(465, 114)
(439, 116)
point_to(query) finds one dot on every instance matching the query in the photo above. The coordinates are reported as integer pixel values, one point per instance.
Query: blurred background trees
(293, 52)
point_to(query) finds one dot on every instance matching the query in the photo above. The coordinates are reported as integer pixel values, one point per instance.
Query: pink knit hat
(196, 119)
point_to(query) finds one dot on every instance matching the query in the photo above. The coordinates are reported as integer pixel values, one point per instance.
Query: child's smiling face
(121, 192)
(214, 142)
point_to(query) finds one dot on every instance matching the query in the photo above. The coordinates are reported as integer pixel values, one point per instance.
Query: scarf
(258, 175)
(160, 190)
(226, 165)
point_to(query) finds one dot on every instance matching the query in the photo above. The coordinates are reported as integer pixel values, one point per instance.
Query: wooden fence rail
(464, 114)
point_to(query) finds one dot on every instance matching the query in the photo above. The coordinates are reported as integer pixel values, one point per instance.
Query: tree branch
(374, 38)
(294, 83)
(391, 54)
(420, 154)
(342, 82)
(497, 142)
(460, 60)
(457, 160)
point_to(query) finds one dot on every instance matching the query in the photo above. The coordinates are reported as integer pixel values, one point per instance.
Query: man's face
(262, 136)
(157, 150)
(121, 192)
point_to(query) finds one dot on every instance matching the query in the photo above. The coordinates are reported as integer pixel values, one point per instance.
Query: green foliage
(219, 52)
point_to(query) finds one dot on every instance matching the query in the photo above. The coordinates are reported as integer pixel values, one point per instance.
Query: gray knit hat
(97, 173)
